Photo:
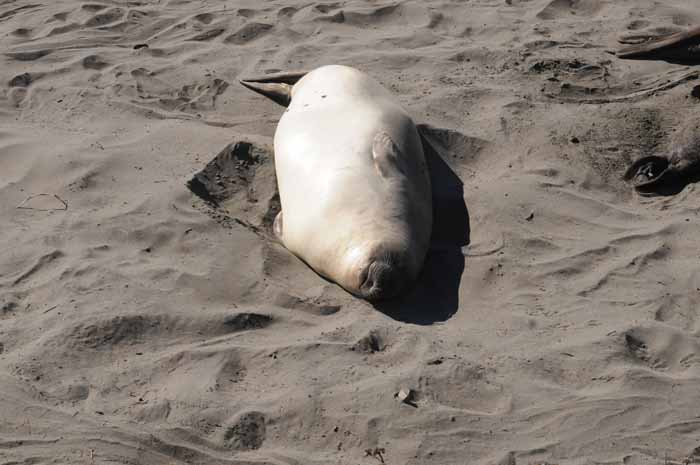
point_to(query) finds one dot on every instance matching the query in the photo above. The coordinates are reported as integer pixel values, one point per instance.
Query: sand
(140, 325)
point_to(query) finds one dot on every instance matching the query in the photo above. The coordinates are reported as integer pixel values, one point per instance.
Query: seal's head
(380, 272)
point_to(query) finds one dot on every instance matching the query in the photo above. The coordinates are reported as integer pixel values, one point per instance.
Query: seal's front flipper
(652, 175)
(387, 156)
(682, 47)
(277, 226)
(276, 87)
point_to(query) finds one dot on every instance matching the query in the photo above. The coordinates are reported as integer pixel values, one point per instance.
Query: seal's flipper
(289, 77)
(277, 226)
(276, 87)
(648, 173)
(278, 93)
(387, 156)
(682, 47)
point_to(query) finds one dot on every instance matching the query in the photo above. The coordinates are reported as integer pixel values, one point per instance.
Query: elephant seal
(652, 175)
(353, 181)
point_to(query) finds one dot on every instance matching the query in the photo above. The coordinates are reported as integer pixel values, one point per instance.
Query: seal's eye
(647, 171)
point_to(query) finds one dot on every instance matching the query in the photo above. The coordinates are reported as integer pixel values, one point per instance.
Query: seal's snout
(382, 281)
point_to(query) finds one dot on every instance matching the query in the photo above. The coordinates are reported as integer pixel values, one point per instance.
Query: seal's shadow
(435, 296)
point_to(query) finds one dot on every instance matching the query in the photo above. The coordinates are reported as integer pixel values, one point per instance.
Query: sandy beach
(557, 317)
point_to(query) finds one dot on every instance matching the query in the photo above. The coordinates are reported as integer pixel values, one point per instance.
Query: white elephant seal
(353, 182)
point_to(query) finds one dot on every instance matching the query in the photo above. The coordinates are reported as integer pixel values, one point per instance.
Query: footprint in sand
(246, 12)
(21, 80)
(246, 322)
(326, 8)
(94, 62)
(373, 342)
(22, 32)
(248, 33)
(43, 266)
(60, 16)
(638, 24)
(93, 7)
(361, 17)
(246, 433)
(110, 16)
(561, 9)
(8, 309)
(464, 386)
(662, 348)
(28, 56)
(287, 12)
(204, 18)
(113, 332)
(208, 35)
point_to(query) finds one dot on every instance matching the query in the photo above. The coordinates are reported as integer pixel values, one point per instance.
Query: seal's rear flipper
(277, 87)
(682, 47)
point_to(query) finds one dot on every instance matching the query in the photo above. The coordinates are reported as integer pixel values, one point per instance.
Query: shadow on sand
(435, 297)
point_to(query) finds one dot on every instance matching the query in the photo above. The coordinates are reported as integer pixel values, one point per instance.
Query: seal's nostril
(381, 281)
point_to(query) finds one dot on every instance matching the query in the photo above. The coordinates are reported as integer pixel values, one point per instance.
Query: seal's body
(353, 181)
